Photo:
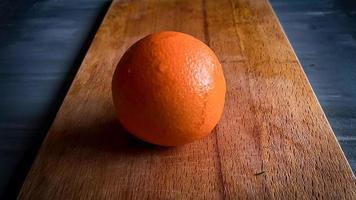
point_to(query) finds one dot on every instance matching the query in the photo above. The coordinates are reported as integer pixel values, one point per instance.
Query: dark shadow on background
(349, 6)
(24, 166)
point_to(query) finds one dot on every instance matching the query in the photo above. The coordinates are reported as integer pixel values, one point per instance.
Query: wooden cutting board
(273, 141)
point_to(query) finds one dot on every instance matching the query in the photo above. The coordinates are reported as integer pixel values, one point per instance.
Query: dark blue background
(43, 42)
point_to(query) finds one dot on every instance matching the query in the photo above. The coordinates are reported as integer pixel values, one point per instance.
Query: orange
(169, 89)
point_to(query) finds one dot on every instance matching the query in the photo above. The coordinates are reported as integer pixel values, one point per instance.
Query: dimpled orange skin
(169, 89)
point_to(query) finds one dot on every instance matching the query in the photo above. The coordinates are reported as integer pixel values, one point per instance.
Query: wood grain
(273, 140)
(316, 30)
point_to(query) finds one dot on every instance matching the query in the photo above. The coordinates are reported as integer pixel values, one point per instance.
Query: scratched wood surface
(273, 140)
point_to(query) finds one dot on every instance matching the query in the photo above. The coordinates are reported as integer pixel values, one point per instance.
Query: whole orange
(169, 89)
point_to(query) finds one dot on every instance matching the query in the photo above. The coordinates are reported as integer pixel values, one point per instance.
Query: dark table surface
(42, 44)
